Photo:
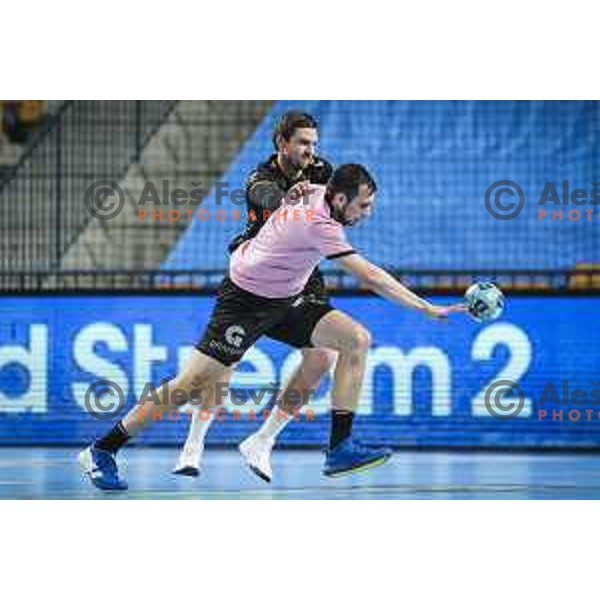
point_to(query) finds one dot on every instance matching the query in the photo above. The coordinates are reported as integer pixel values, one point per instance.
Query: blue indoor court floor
(53, 473)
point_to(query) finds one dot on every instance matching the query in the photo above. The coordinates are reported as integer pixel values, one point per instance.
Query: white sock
(274, 424)
(198, 429)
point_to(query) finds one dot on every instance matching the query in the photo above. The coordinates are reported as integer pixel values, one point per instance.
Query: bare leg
(338, 331)
(190, 456)
(316, 362)
(201, 373)
(256, 449)
(346, 455)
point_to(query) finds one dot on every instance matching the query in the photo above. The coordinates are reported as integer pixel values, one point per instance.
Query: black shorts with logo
(240, 318)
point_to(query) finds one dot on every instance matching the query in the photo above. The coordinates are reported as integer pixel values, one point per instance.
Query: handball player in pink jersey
(295, 139)
(266, 277)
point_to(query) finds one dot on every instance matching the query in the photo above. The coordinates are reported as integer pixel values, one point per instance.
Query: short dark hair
(289, 122)
(347, 179)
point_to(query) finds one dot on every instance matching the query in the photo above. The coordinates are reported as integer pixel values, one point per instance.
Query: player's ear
(340, 200)
(279, 142)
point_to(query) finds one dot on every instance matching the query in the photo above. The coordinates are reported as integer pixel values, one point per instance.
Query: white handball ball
(485, 302)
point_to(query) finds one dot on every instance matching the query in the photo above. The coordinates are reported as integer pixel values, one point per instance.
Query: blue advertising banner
(425, 382)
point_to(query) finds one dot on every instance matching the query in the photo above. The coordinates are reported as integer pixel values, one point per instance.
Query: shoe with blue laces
(350, 456)
(102, 469)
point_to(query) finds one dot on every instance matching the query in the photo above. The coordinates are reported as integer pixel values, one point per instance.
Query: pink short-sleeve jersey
(279, 260)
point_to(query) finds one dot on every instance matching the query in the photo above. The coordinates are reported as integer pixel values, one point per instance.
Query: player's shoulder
(264, 171)
(319, 171)
(321, 163)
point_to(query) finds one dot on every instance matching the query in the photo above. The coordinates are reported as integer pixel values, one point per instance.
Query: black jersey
(267, 185)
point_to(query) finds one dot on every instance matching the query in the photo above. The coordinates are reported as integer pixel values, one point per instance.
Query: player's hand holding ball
(485, 302)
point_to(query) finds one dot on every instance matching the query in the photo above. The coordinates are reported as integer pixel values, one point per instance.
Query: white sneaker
(256, 451)
(189, 461)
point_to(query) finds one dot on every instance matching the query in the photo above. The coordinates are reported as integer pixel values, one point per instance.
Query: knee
(319, 360)
(359, 340)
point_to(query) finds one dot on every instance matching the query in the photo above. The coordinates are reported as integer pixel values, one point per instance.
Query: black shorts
(240, 318)
(301, 319)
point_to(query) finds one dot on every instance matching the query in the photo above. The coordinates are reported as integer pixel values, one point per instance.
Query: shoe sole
(259, 473)
(254, 469)
(187, 471)
(362, 467)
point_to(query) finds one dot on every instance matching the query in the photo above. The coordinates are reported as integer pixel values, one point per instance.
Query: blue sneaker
(351, 456)
(102, 468)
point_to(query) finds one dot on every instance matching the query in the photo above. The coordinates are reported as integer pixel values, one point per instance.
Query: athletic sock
(114, 439)
(341, 426)
(198, 429)
(274, 424)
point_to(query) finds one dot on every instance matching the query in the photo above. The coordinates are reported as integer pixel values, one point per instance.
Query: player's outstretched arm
(382, 283)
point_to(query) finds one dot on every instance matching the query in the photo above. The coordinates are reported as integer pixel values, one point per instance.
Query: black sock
(114, 439)
(341, 426)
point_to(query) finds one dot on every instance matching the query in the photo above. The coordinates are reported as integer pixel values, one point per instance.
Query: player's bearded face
(338, 212)
(299, 150)
(350, 213)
